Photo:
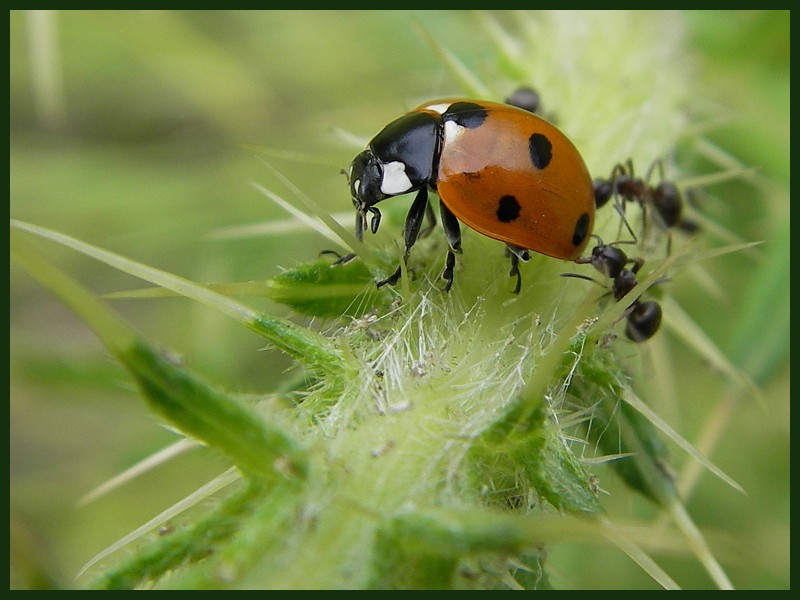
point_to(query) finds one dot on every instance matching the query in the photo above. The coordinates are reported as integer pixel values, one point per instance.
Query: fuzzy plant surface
(438, 440)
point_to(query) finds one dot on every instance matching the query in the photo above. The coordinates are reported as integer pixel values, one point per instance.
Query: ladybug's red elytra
(499, 169)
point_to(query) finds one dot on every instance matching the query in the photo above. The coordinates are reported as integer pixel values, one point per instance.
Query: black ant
(527, 98)
(643, 317)
(665, 198)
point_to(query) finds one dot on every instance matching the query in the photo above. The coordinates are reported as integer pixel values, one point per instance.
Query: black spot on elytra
(581, 229)
(541, 150)
(466, 114)
(507, 209)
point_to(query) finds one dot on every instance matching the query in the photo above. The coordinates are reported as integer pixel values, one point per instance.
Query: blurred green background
(132, 141)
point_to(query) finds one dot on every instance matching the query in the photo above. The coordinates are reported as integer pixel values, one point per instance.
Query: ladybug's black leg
(452, 231)
(410, 232)
(391, 279)
(515, 271)
(340, 259)
(414, 219)
(447, 274)
(430, 217)
(516, 254)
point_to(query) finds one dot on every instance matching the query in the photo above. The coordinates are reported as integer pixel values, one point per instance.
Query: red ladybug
(499, 169)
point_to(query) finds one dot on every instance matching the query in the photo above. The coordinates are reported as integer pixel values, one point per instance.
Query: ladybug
(643, 317)
(499, 169)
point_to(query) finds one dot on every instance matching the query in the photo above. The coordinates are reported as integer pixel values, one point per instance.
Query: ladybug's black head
(366, 175)
(399, 160)
(365, 179)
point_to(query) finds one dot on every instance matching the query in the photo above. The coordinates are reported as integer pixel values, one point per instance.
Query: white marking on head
(439, 108)
(451, 131)
(395, 181)
(356, 185)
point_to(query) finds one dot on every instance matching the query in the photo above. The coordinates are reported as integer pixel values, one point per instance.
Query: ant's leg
(656, 164)
(651, 200)
(619, 171)
(638, 263)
